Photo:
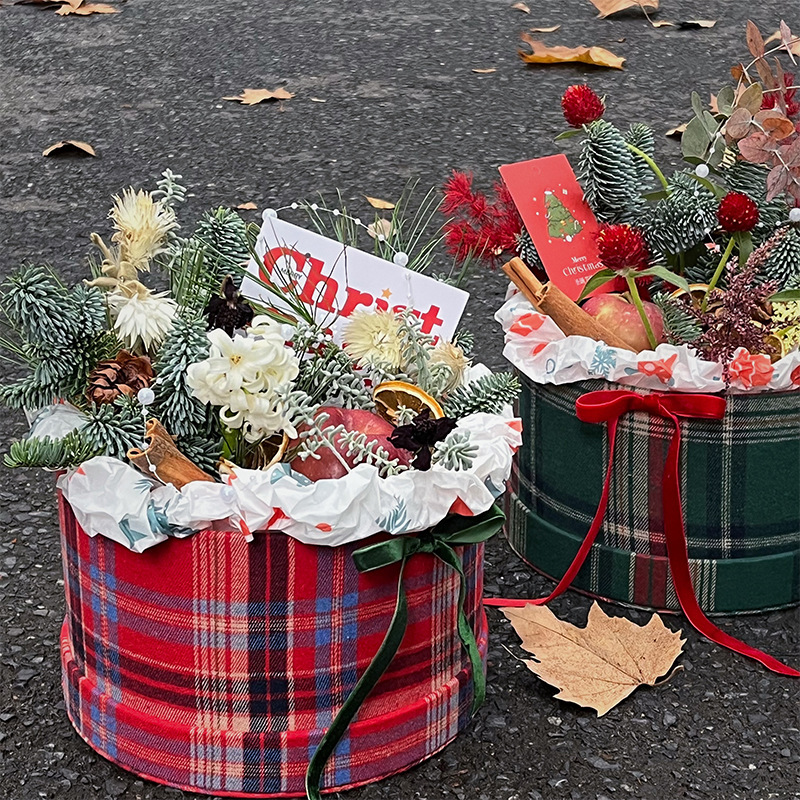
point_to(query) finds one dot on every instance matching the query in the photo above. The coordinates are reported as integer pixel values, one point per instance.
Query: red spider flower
(737, 212)
(622, 247)
(581, 105)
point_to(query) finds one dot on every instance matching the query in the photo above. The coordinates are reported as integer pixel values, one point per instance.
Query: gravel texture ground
(401, 101)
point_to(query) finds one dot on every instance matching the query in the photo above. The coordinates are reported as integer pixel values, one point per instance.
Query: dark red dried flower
(622, 247)
(581, 105)
(737, 212)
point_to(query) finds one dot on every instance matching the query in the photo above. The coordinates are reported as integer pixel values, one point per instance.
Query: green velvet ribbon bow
(453, 531)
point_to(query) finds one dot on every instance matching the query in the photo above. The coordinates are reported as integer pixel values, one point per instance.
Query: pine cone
(124, 374)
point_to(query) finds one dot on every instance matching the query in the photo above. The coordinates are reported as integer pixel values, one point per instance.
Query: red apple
(617, 313)
(328, 465)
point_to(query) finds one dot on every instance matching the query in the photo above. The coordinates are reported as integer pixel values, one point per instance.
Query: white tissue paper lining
(112, 498)
(537, 347)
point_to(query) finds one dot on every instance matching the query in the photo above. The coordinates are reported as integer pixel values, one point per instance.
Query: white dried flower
(452, 356)
(141, 319)
(373, 337)
(142, 225)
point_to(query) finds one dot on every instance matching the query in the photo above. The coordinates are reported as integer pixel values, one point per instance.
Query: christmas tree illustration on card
(558, 218)
(560, 223)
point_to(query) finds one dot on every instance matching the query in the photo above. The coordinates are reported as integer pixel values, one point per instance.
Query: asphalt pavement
(401, 102)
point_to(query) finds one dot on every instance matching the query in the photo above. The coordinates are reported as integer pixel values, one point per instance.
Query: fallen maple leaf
(608, 7)
(71, 147)
(87, 9)
(542, 54)
(521, 7)
(689, 24)
(376, 202)
(545, 30)
(485, 71)
(251, 97)
(677, 131)
(600, 665)
(247, 206)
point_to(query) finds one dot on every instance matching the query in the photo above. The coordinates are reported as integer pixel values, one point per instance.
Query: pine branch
(681, 325)
(608, 173)
(114, 428)
(489, 394)
(46, 453)
(181, 413)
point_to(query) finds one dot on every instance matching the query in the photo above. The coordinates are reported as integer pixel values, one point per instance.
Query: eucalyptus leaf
(697, 104)
(710, 123)
(725, 100)
(786, 296)
(695, 140)
(596, 281)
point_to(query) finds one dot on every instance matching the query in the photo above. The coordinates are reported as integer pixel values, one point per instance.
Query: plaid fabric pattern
(740, 483)
(215, 665)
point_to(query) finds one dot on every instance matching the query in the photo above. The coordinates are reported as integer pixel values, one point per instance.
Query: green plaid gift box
(740, 485)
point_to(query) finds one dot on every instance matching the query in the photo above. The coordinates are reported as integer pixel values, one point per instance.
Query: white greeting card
(336, 280)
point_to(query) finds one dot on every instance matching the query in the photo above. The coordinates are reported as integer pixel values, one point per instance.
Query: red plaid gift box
(216, 665)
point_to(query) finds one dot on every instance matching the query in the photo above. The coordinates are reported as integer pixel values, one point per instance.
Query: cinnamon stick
(548, 299)
(162, 458)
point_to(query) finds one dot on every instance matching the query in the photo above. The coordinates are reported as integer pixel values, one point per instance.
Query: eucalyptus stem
(650, 163)
(717, 273)
(637, 301)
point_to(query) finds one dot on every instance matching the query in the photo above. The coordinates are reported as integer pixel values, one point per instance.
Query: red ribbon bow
(608, 407)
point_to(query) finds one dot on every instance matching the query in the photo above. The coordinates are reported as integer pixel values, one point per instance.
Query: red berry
(581, 105)
(737, 212)
(622, 247)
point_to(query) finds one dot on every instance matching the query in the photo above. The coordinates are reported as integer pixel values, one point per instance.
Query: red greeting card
(558, 219)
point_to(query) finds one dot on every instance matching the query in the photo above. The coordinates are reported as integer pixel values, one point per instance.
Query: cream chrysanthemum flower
(142, 225)
(373, 337)
(141, 318)
(453, 357)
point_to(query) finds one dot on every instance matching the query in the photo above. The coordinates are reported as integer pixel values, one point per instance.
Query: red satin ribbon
(608, 407)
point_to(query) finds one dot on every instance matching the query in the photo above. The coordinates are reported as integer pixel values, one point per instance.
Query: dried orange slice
(391, 395)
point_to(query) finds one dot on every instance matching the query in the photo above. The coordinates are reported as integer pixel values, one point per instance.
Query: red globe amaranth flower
(622, 247)
(737, 212)
(581, 105)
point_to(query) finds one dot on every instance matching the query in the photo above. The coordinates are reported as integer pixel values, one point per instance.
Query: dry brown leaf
(677, 131)
(542, 54)
(251, 97)
(376, 202)
(521, 7)
(87, 9)
(69, 147)
(381, 227)
(485, 71)
(545, 30)
(662, 23)
(600, 665)
(697, 23)
(608, 7)
(247, 206)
